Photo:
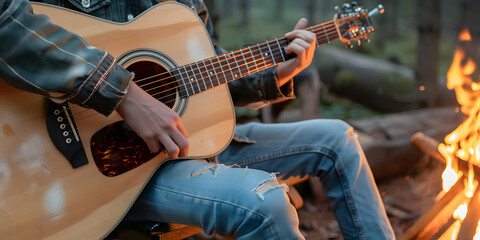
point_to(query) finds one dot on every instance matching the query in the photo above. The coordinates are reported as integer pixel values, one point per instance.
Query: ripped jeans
(241, 196)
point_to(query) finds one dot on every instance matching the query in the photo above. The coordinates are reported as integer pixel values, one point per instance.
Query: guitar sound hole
(155, 80)
(116, 148)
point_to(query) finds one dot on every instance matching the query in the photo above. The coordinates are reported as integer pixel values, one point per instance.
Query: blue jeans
(241, 195)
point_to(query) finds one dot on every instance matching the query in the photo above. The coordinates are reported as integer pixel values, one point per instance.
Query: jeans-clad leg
(248, 204)
(325, 148)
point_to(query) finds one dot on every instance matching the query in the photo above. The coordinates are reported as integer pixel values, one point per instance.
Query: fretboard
(208, 73)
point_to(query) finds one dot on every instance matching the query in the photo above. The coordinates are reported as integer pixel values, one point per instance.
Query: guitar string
(331, 29)
(232, 55)
(322, 28)
(96, 113)
(317, 27)
(245, 64)
(216, 69)
(260, 69)
(267, 43)
(263, 46)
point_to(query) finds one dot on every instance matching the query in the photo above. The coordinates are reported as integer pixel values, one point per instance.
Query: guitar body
(41, 195)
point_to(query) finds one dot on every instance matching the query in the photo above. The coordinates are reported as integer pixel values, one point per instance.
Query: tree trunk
(279, 9)
(426, 72)
(471, 19)
(311, 12)
(244, 6)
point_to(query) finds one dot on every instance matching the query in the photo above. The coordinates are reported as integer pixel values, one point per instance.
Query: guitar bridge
(63, 133)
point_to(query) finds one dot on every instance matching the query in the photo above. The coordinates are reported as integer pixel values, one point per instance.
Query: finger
(152, 144)
(295, 48)
(305, 35)
(182, 128)
(182, 143)
(301, 24)
(302, 43)
(170, 146)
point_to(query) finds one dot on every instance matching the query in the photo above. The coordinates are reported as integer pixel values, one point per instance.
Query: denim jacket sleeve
(256, 90)
(40, 57)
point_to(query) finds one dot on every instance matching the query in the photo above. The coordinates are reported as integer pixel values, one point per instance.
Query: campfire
(456, 213)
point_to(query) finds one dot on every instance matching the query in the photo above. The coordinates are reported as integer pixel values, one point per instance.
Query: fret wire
(241, 63)
(280, 49)
(328, 39)
(183, 88)
(183, 81)
(238, 66)
(245, 60)
(203, 77)
(213, 67)
(261, 54)
(223, 71)
(190, 80)
(276, 51)
(271, 54)
(209, 73)
(229, 67)
(254, 60)
(196, 80)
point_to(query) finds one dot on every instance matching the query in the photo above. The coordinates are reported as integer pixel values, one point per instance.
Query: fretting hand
(302, 44)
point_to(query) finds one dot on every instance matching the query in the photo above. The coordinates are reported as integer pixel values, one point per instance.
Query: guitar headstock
(353, 23)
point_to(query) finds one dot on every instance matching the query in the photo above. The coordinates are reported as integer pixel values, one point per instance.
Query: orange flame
(464, 142)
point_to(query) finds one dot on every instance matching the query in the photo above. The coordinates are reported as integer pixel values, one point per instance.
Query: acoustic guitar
(67, 172)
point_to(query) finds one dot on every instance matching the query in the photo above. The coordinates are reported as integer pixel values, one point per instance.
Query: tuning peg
(376, 11)
(370, 29)
(346, 6)
(337, 9)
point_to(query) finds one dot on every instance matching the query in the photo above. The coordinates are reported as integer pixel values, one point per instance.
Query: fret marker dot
(235, 75)
(191, 79)
(266, 54)
(211, 73)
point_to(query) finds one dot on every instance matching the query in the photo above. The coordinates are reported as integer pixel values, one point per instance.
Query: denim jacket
(40, 57)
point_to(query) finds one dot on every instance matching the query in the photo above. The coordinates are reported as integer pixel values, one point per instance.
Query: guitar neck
(208, 73)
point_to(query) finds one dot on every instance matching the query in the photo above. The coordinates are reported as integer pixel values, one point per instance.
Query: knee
(329, 130)
(264, 208)
(269, 197)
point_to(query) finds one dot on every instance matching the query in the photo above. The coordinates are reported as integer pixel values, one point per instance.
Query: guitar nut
(63, 126)
(68, 140)
(65, 133)
(59, 119)
(56, 112)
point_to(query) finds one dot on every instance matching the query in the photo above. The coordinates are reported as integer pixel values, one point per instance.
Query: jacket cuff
(105, 88)
(272, 93)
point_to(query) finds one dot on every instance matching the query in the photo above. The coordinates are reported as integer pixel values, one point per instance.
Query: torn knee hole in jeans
(262, 188)
(267, 185)
(214, 169)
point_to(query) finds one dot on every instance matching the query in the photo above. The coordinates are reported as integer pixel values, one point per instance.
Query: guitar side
(41, 195)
